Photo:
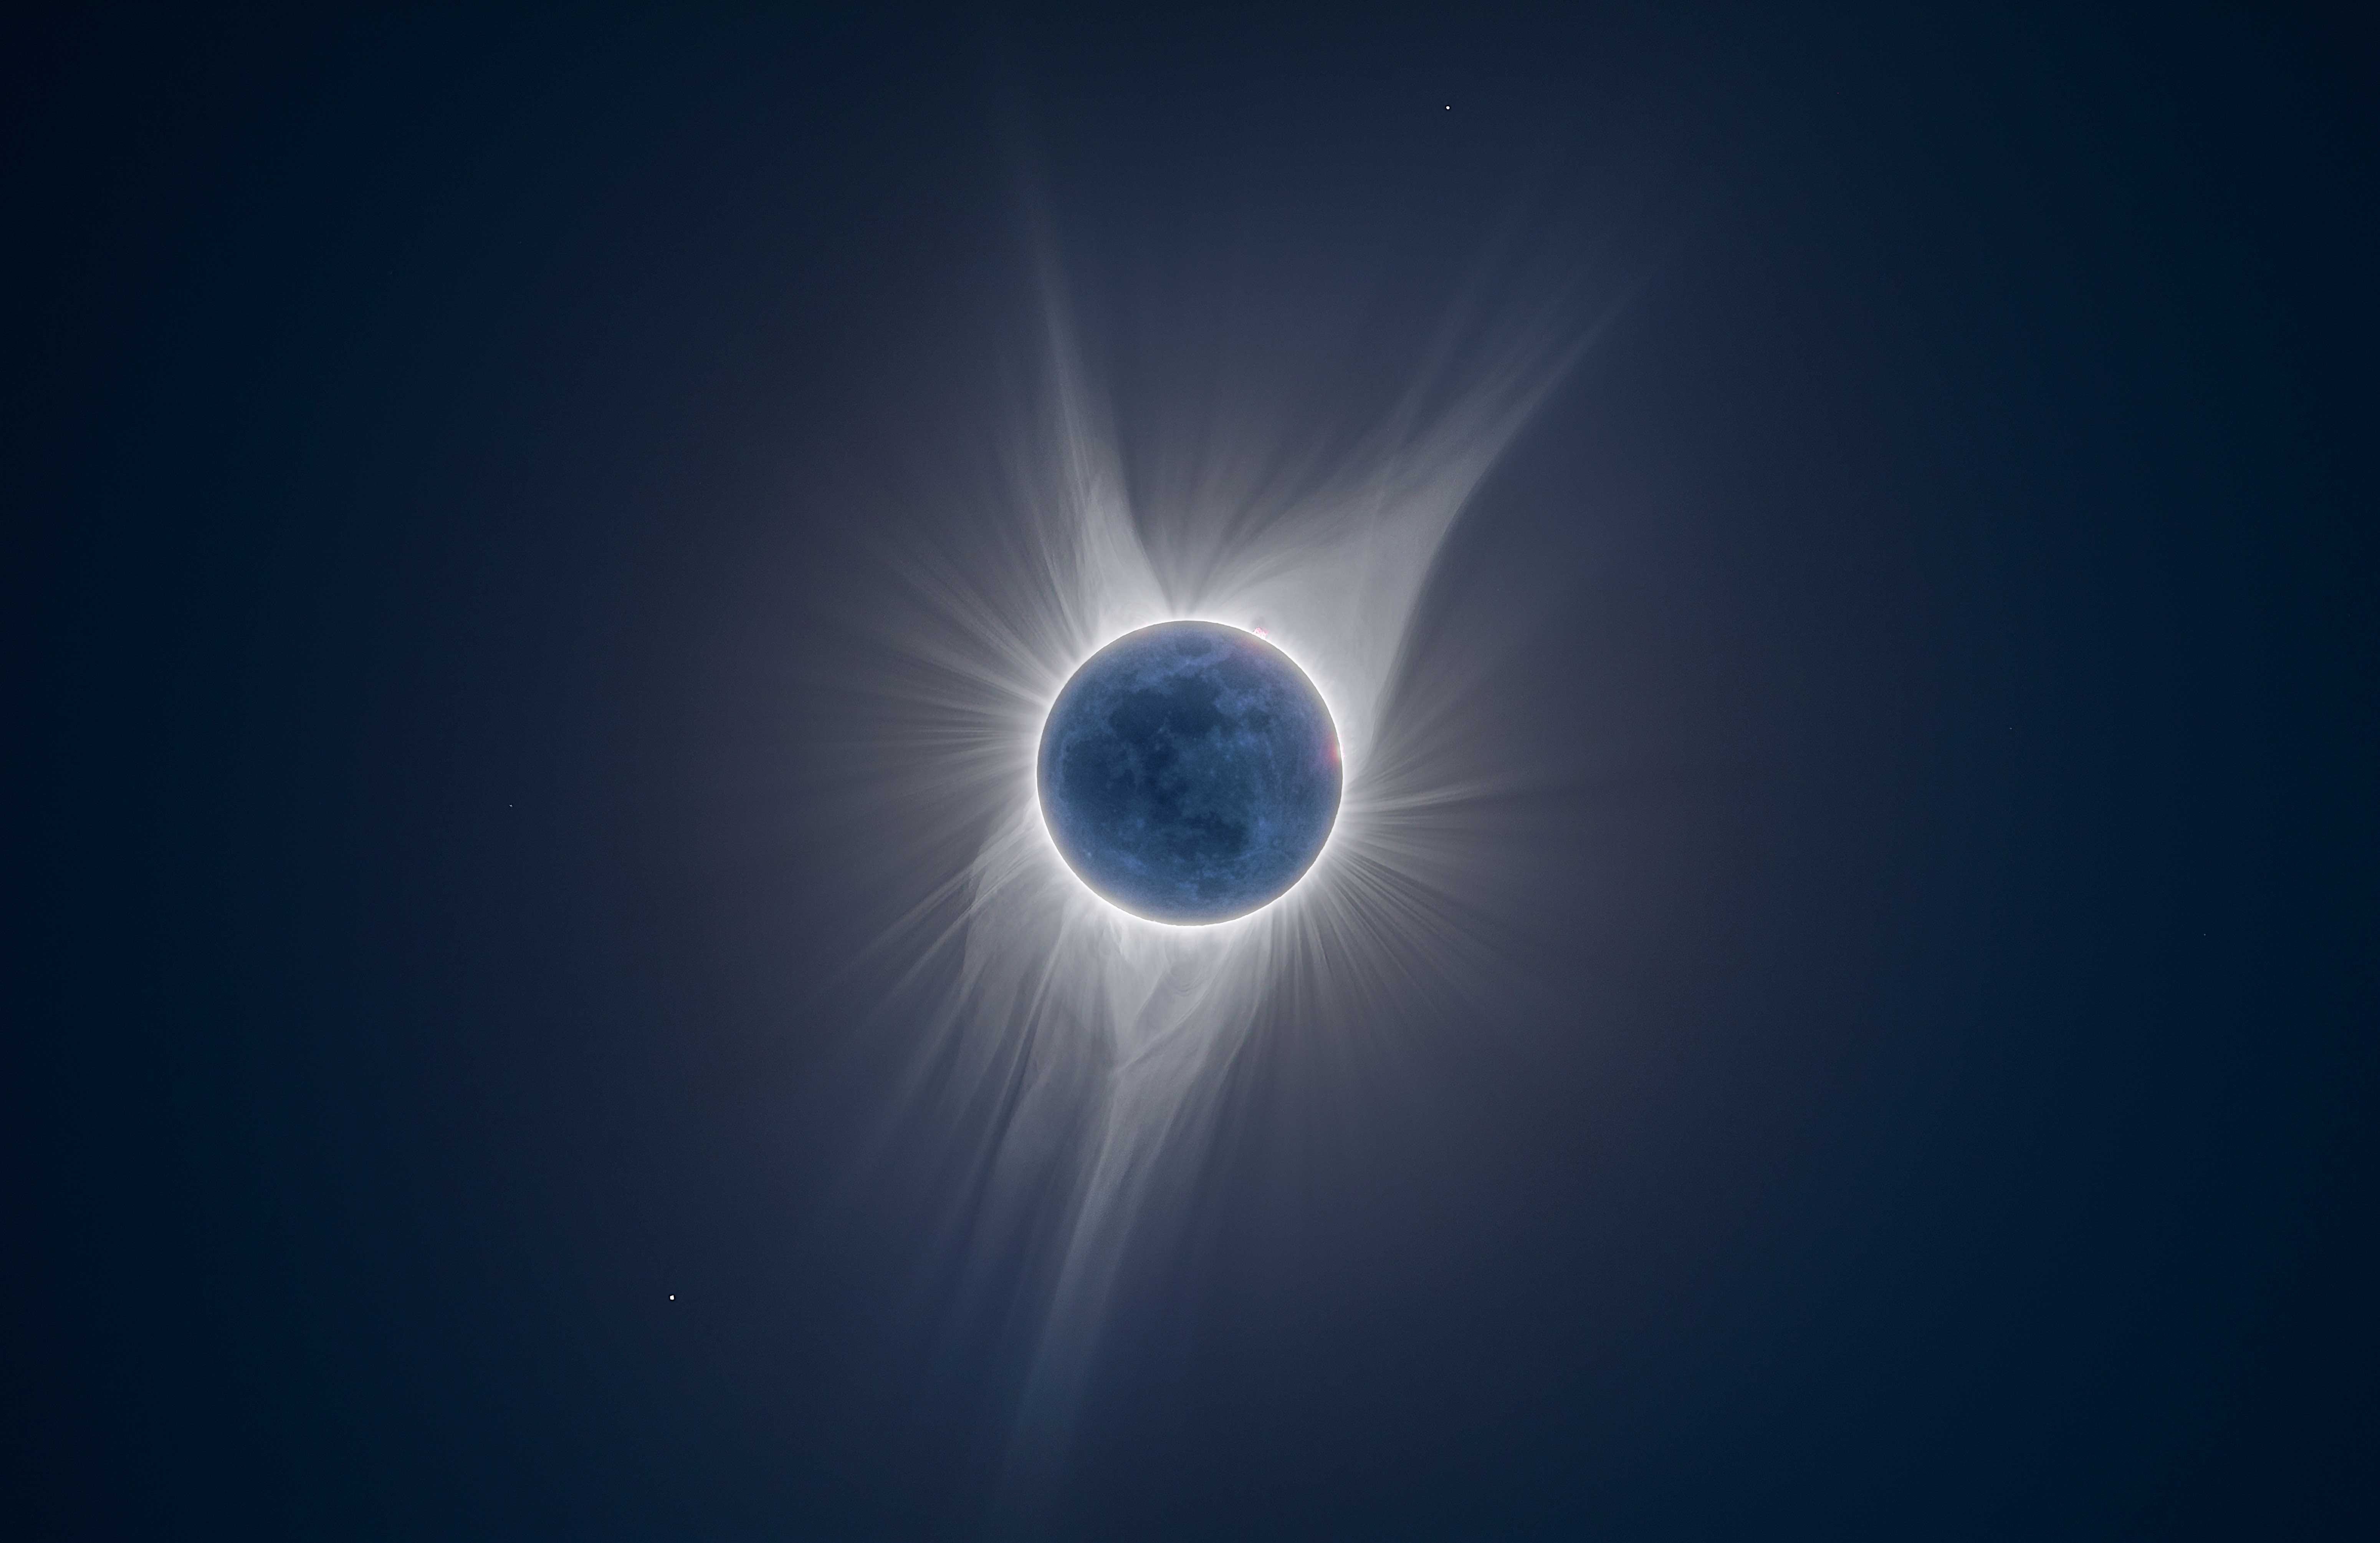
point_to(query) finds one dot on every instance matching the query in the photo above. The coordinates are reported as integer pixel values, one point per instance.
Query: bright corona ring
(1189, 772)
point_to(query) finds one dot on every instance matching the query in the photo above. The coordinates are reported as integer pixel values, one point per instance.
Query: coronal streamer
(1077, 1053)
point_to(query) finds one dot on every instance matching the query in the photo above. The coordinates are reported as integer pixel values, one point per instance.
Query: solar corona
(1156, 700)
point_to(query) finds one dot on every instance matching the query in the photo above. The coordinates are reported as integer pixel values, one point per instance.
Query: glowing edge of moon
(1050, 842)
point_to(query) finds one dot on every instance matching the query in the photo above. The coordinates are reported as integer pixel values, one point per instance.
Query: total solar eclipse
(1189, 772)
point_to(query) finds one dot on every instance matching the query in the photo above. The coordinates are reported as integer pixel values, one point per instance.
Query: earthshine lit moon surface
(1189, 772)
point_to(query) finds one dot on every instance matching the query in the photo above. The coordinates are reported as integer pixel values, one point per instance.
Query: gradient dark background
(1927, 1089)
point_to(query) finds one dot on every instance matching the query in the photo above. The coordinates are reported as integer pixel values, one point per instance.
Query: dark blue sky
(1923, 1090)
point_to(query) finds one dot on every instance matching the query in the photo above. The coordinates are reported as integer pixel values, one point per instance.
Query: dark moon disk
(1189, 772)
